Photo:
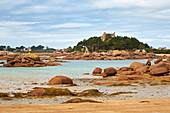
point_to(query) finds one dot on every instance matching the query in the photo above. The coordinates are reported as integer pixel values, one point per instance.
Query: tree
(118, 42)
(2, 48)
(69, 49)
(40, 47)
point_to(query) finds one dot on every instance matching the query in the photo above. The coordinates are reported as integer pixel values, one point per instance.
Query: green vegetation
(69, 49)
(115, 43)
(22, 49)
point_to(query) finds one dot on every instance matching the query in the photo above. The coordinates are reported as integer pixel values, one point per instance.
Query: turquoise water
(73, 69)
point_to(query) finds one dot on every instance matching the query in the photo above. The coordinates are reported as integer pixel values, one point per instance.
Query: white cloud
(8, 4)
(130, 3)
(70, 25)
(13, 23)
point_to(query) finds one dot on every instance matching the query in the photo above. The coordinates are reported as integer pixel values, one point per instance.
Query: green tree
(69, 49)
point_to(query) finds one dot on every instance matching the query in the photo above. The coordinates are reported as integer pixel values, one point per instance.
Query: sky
(63, 23)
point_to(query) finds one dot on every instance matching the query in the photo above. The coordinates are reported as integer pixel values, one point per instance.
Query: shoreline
(107, 106)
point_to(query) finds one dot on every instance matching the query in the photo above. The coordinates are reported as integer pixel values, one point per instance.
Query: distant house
(162, 48)
(58, 50)
(103, 38)
(29, 49)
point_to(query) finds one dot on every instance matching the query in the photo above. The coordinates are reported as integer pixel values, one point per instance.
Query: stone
(57, 92)
(142, 70)
(136, 65)
(158, 65)
(60, 80)
(79, 100)
(90, 92)
(124, 69)
(51, 63)
(148, 63)
(20, 65)
(86, 73)
(157, 61)
(159, 71)
(97, 71)
(128, 72)
(109, 72)
(37, 92)
(7, 65)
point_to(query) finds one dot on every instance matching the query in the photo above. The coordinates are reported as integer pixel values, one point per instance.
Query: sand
(108, 106)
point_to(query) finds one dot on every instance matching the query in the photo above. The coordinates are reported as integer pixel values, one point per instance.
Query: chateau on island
(103, 37)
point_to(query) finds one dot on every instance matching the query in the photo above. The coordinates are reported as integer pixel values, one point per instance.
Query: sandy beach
(108, 106)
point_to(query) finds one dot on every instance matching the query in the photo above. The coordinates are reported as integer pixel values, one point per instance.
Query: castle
(103, 38)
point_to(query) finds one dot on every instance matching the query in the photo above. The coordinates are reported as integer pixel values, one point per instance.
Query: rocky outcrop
(28, 61)
(50, 92)
(37, 92)
(60, 80)
(90, 92)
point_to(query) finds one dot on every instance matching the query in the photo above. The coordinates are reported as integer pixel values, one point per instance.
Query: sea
(72, 69)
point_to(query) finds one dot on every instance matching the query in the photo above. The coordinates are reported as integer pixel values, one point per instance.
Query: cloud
(12, 23)
(71, 25)
(105, 4)
(60, 21)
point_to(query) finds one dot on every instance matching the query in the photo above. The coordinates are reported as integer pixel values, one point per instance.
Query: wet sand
(108, 106)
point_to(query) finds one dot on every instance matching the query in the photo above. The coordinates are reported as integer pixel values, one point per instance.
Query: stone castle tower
(103, 38)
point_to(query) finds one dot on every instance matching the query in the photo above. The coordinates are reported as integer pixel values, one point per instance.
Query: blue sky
(60, 23)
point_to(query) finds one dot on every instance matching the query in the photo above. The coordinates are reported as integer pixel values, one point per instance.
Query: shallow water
(21, 77)
(74, 69)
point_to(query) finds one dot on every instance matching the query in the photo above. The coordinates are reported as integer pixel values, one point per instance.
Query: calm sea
(73, 69)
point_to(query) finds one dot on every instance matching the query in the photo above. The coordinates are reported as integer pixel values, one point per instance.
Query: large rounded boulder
(109, 72)
(160, 68)
(136, 65)
(60, 80)
(97, 71)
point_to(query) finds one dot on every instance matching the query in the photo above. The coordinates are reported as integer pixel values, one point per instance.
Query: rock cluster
(110, 55)
(107, 72)
(24, 61)
(159, 68)
(63, 92)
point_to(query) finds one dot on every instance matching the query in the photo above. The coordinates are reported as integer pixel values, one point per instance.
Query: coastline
(107, 106)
